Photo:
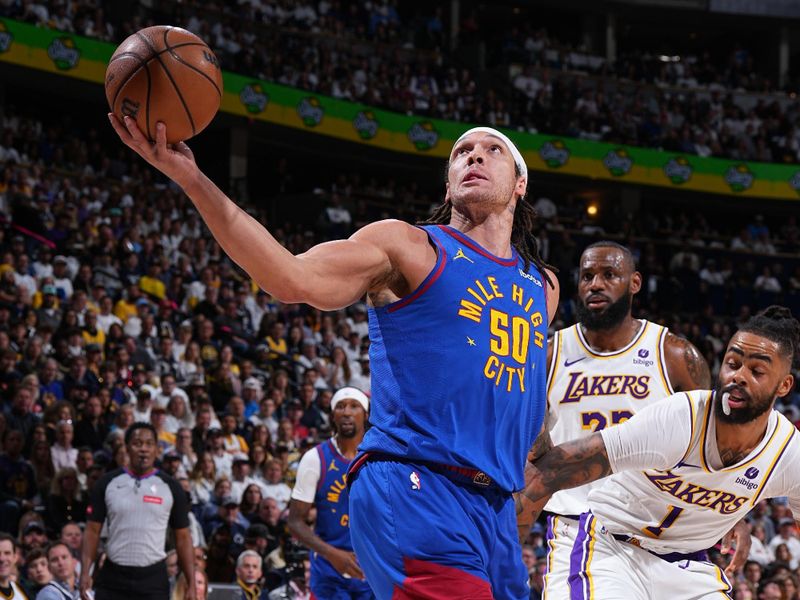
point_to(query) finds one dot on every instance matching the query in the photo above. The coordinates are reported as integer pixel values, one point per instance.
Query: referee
(138, 504)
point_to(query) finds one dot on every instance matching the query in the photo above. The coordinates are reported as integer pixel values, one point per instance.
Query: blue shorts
(425, 534)
(328, 584)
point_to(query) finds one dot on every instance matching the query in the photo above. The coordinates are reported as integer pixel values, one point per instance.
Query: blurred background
(670, 126)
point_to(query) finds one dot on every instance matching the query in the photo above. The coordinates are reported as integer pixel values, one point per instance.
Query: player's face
(62, 564)
(142, 450)
(350, 418)
(754, 372)
(607, 282)
(482, 170)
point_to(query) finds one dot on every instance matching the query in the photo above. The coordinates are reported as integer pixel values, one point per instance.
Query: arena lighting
(664, 58)
(592, 210)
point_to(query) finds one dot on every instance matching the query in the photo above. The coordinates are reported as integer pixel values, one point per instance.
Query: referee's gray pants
(118, 582)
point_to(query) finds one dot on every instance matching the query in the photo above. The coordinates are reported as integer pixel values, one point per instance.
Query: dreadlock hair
(522, 238)
(777, 324)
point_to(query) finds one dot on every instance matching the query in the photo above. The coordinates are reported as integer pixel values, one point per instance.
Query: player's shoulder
(686, 367)
(387, 231)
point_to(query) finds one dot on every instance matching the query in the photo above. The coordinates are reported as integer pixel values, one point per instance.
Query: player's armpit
(566, 466)
(686, 368)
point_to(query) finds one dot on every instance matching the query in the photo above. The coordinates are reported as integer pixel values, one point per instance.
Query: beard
(608, 318)
(755, 407)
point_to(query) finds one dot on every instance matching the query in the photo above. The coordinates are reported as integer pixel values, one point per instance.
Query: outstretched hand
(740, 535)
(176, 161)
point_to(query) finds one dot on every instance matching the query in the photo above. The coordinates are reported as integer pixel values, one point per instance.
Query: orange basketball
(165, 74)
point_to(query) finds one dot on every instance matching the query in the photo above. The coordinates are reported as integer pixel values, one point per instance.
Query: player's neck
(348, 446)
(736, 440)
(492, 231)
(611, 340)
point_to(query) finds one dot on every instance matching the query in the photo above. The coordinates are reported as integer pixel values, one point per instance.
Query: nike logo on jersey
(567, 363)
(460, 254)
(685, 464)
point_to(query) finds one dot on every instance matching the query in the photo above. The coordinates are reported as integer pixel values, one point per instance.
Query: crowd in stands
(386, 53)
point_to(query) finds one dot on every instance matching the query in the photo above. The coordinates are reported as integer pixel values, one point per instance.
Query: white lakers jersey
(588, 391)
(16, 592)
(670, 492)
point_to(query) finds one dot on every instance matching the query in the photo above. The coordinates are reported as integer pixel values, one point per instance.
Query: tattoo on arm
(543, 443)
(697, 365)
(691, 371)
(566, 466)
(528, 512)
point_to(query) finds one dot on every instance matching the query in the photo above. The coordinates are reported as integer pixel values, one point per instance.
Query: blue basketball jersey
(332, 500)
(459, 365)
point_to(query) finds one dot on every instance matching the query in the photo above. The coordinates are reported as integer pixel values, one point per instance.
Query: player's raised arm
(329, 276)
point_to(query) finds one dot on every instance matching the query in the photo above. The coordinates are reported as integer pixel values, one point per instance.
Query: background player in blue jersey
(458, 323)
(322, 483)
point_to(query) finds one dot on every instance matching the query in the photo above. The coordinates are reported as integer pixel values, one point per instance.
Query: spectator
(63, 454)
(273, 484)
(38, 571)
(787, 535)
(66, 503)
(17, 481)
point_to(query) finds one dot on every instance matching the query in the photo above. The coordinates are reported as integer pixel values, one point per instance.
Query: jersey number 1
(668, 521)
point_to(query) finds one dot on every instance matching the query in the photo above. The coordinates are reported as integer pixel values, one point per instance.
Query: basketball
(166, 74)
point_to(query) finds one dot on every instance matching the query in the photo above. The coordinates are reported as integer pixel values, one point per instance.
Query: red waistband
(475, 476)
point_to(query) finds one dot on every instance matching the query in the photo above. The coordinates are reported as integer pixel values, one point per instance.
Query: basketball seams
(140, 51)
(143, 61)
(172, 81)
(180, 59)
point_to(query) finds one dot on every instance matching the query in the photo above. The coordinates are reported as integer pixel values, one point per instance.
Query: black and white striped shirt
(137, 511)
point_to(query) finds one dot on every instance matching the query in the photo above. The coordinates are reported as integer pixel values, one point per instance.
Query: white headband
(520, 162)
(352, 394)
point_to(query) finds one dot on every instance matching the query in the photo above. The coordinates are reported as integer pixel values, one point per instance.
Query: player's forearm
(527, 511)
(567, 466)
(306, 536)
(244, 239)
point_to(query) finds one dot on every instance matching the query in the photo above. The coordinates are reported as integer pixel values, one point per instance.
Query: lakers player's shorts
(603, 567)
(328, 584)
(561, 532)
(420, 533)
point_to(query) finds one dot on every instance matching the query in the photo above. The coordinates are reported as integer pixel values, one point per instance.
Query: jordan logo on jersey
(460, 254)
(510, 335)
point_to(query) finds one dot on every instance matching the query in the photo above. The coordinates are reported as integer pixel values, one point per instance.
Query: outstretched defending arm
(566, 466)
(329, 276)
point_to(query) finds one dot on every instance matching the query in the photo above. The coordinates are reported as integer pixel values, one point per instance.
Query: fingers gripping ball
(165, 74)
